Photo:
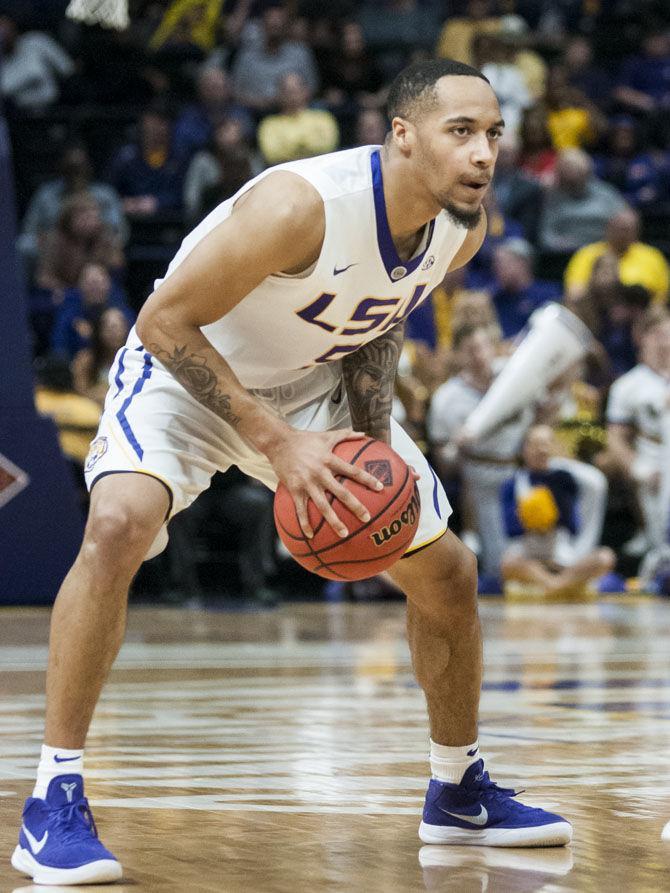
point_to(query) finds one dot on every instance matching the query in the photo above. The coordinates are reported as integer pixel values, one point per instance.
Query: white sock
(56, 761)
(450, 763)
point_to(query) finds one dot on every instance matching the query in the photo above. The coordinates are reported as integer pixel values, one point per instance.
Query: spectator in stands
(75, 416)
(628, 165)
(613, 312)
(635, 410)
(639, 264)
(577, 208)
(396, 29)
(572, 119)
(540, 510)
(76, 176)
(590, 80)
(260, 64)
(485, 464)
(32, 66)
(519, 195)
(458, 33)
(297, 131)
(517, 293)
(80, 237)
(495, 59)
(643, 84)
(351, 78)
(515, 33)
(218, 172)
(149, 174)
(91, 364)
(371, 128)
(194, 127)
(76, 317)
(499, 226)
(537, 155)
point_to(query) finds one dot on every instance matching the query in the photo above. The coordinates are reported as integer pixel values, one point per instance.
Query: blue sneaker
(479, 813)
(58, 841)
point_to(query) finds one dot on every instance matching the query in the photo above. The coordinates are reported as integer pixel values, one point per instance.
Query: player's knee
(452, 585)
(117, 536)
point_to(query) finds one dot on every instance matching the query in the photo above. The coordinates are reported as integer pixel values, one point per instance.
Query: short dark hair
(414, 86)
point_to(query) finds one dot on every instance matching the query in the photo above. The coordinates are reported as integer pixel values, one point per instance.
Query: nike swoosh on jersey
(35, 844)
(480, 819)
(337, 272)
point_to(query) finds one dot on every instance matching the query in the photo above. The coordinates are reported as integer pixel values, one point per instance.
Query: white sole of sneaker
(101, 872)
(556, 834)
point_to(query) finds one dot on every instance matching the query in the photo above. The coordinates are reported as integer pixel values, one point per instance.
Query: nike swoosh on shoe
(35, 845)
(480, 819)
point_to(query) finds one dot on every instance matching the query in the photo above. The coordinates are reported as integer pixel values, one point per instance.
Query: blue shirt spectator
(637, 174)
(644, 79)
(195, 126)
(516, 293)
(95, 292)
(149, 174)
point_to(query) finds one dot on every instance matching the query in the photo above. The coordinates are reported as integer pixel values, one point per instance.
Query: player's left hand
(304, 461)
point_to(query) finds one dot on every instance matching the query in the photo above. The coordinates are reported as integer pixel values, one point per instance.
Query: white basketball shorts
(152, 425)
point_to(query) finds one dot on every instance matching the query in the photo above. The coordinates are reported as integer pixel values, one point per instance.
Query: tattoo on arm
(369, 376)
(191, 371)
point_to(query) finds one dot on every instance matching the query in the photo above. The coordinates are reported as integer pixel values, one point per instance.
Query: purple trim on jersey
(121, 414)
(387, 248)
(119, 372)
(436, 498)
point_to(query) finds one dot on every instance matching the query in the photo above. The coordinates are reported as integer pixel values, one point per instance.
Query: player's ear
(404, 134)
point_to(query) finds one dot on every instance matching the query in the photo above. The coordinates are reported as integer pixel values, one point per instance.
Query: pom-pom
(537, 510)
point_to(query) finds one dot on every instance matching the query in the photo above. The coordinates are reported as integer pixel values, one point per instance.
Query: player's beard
(468, 219)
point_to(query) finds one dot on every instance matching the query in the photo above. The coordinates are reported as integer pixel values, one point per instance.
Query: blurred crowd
(124, 141)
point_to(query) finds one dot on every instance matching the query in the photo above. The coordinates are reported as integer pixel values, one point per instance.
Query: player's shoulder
(281, 200)
(336, 174)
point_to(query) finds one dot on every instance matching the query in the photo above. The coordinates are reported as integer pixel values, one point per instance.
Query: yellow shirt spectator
(299, 135)
(640, 264)
(76, 418)
(570, 128)
(456, 37)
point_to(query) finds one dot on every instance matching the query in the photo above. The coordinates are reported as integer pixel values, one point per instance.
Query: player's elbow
(145, 325)
(155, 324)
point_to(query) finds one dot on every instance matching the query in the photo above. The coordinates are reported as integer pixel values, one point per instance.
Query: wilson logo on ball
(407, 516)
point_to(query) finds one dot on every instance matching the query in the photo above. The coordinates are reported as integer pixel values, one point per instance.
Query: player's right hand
(305, 463)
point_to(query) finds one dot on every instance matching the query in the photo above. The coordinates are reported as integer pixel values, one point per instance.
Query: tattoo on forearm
(191, 370)
(369, 376)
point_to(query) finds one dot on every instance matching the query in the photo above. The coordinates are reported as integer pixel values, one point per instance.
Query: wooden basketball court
(286, 751)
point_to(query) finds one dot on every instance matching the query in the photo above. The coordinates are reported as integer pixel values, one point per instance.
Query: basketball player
(278, 327)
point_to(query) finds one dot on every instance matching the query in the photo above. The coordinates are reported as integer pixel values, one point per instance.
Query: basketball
(370, 547)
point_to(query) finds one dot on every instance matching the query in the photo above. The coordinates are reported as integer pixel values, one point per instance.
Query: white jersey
(288, 326)
(638, 399)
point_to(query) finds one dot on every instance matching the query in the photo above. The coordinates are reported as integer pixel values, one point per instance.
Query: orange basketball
(369, 547)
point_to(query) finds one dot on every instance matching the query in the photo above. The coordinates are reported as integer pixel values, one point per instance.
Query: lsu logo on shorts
(96, 451)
